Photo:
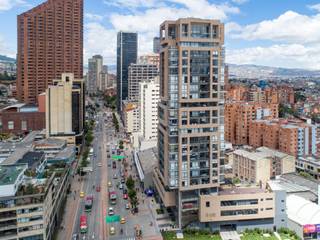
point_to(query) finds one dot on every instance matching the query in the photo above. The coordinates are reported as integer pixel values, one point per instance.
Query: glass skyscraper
(127, 48)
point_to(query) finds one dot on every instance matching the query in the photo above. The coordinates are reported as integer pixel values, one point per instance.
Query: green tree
(130, 183)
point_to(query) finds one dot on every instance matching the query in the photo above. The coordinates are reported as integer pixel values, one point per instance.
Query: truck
(83, 223)
(88, 203)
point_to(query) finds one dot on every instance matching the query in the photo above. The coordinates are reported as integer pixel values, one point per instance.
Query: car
(99, 164)
(121, 186)
(98, 189)
(125, 196)
(122, 220)
(109, 184)
(127, 206)
(110, 211)
(123, 180)
(75, 236)
(115, 176)
(112, 230)
(81, 194)
(124, 191)
(114, 165)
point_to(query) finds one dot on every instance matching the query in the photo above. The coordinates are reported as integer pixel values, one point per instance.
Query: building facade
(127, 48)
(148, 101)
(239, 116)
(21, 119)
(65, 108)
(290, 136)
(261, 165)
(130, 116)
(156, 45)
(139, 73)
(94, 74)
(153, 59)
(50, 42)
(191, 129)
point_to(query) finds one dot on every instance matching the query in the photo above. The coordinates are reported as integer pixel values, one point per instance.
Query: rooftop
(241, 190)
(293, 183)
(260, 153)
(9, 174)
(32, 159)
(49, 142)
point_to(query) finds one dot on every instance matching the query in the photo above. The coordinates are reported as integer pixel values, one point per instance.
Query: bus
(83, 223)
(113, 196)
(88, 203)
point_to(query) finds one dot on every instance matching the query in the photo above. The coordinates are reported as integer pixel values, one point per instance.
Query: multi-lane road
(105, 139)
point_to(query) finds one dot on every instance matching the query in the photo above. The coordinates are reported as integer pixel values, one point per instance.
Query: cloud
(94, 17)
(6, 5)
(133, 3)
(284, 55)
(240, 1)
(315, 7)
(5, 49)
(100, 40)
(290, 27)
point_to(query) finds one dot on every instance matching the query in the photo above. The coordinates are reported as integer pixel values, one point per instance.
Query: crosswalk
(122, 238)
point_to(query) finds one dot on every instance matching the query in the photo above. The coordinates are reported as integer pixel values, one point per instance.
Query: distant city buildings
(293, 137)
(139, 73)
(94, 77)
(50, 42)
(239, 116)
(156, 45)
(127, 49)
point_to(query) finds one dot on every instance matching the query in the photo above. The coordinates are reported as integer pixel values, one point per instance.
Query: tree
(130, 183)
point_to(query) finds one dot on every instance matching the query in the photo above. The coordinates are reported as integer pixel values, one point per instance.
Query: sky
(278, 33)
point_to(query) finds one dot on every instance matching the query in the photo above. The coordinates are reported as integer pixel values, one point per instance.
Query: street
(105, 145)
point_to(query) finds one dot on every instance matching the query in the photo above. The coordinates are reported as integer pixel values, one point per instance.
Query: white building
(130, 116)
(148, 101)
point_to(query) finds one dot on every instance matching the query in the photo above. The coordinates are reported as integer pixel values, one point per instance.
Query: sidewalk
(71, 207)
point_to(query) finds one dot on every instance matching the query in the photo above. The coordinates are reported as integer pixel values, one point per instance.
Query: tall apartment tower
(148, 101)
(139, 73)
(94, 73)
(156, 45)
(191, 120)
(50, 42)
(127, 48)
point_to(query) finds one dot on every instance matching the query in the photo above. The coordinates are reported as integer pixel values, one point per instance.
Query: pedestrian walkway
(70, 210)
(230, 235)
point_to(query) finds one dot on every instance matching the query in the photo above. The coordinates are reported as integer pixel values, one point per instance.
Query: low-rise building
(240, 208)
(21, 119)
(309, 165)
(130, 116)
(261, 164)
(30, 208)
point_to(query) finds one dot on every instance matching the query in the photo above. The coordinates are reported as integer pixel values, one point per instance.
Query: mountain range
(256, 71)
(7, 59)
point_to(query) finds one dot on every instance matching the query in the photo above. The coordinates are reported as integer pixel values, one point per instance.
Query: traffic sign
(117, 157)
(114, 218)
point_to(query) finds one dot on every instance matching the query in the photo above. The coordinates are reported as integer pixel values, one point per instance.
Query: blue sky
(283, 33)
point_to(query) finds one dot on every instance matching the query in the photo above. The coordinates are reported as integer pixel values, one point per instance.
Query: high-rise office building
(156, 45)
(127, 47)
(191, 114)
(95, 65)
(139, 73)
(94, 74)
(50, 42)
(65, 109)
(104, 78)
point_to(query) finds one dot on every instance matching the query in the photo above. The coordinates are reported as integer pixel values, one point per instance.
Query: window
(10, 125)
(207, 204)
(24, 125)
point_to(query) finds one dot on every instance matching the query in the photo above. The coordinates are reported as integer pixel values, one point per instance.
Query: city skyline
(250, 35)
